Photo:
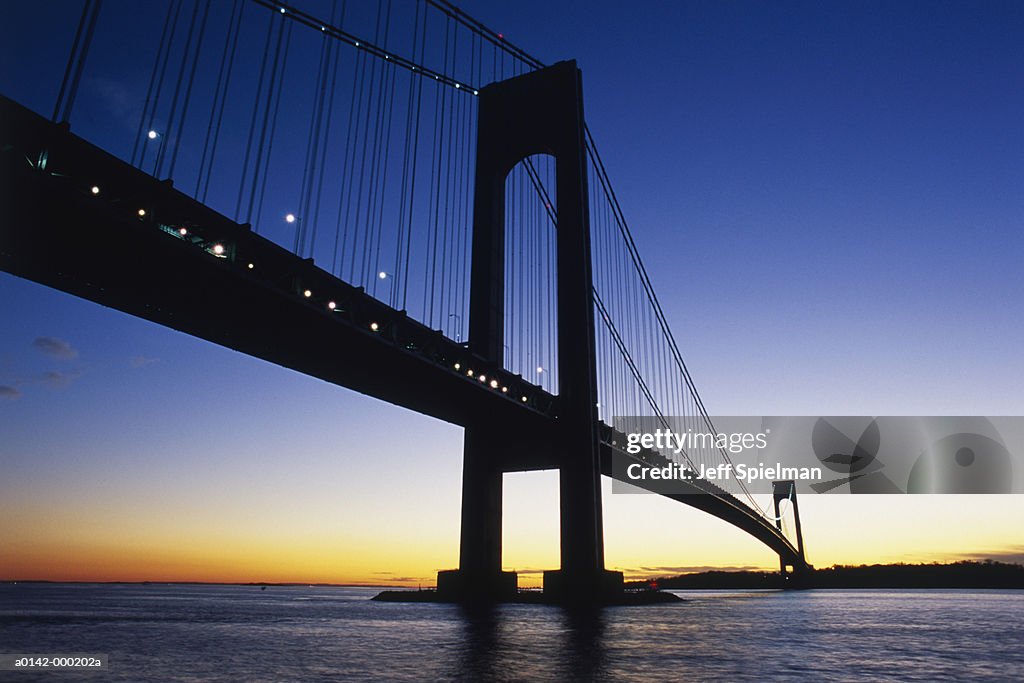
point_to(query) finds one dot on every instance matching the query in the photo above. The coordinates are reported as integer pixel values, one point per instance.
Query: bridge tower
(786, 490)
(537, 113)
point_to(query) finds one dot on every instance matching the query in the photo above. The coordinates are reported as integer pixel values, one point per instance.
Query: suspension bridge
(387, 196)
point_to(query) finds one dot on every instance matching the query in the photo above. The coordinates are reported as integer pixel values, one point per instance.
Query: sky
(828, 198)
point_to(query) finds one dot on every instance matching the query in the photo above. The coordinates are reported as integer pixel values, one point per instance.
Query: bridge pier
(479, 576)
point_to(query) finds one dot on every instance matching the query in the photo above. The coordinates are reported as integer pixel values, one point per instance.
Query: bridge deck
(163, 266)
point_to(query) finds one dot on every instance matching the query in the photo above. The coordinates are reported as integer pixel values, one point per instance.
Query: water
(240, 633)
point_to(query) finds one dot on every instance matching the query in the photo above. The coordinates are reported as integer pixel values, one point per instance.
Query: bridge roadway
(77, 219)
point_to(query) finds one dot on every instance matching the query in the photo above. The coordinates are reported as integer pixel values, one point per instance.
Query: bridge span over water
(457, 249)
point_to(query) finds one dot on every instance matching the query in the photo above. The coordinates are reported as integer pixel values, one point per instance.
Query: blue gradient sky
(829, 198)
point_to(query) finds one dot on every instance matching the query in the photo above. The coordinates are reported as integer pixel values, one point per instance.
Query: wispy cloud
(1012, 554)
(57, 380)
(664, 571)
(9, 392)
(141, 361)
(55, 348)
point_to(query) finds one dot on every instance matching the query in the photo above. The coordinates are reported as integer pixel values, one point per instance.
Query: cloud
(661, 572)
(58, 380)
(1012, 554)
(141, 361)
(56, 348)
(9, 392)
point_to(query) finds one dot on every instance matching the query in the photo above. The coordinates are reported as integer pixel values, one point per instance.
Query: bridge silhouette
(426, 221)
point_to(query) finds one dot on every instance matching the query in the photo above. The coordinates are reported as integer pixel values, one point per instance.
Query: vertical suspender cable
(266, 122)
(164, 45)
(312, 140)
(415, 166)
(175, 99)
(348, 162)
(276, 84)
(255, 117)
(220, 96)
(188, 91)
(160, 79)
(76, 61)
(336, 53)
(405, 198)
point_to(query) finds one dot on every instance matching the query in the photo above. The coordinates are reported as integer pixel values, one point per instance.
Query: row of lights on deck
(218, 250)
(494, 384)
(332, 306)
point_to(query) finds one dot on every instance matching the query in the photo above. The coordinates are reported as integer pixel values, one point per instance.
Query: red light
(501, 36)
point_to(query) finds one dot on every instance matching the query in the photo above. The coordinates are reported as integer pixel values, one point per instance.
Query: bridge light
(382, 275)
(251, 266)
(476, 92)
(95, 190)
(142, 212)
(282, 10)
(504, 390)
(458, 366)
(218, 249)
(357, 43)
(182, 231)
(308, 293)
(331, 305)
(289, 218)
(152, 135)
(469, 372)
(374, 326)
(494, 384)
(482, 378)
(457, 86)
(524, 399)
(539, 369)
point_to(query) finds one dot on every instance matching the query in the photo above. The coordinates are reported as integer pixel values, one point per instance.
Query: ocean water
(241, 633)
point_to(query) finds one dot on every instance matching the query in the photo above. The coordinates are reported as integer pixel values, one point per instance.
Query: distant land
(965, 574)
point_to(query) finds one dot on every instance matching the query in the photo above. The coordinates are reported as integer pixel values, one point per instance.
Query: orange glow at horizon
(645, 536)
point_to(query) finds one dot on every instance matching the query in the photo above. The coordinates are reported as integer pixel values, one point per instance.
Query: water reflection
(479, 654)
(508, 643)
(585, 653)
